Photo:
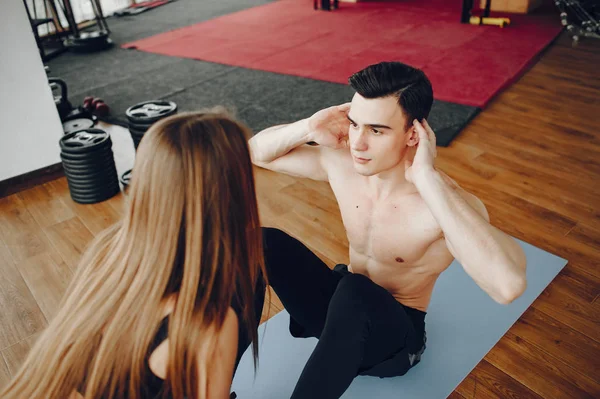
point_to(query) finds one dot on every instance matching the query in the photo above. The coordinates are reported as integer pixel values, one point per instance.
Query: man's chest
(395, 230)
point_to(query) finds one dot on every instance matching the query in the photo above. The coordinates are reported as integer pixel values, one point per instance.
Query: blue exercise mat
(463, 323)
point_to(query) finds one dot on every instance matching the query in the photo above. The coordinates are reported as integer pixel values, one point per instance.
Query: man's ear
(413, 137)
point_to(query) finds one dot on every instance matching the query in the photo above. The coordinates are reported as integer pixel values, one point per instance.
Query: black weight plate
(88, 192)
(101, 176)
(91, 38)
(126, 177)
(79, 46)
(88, 167)
(139, 127)
(93, 160)
(101, 159)
(137, 133)
(92, 186)
(94, 190)
(90, 175)
(95, 198)
(80, 113)
(88, 156)
(75, 125)
(84, 141)
(148, 112)
(104, 192)
(94, 177)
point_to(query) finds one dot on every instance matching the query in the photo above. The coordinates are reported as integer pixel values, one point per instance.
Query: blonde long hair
(191, 228)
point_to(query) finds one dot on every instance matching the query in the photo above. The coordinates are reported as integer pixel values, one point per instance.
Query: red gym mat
(467, 64)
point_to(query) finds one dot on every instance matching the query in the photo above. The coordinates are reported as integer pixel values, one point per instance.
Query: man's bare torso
(395, 241)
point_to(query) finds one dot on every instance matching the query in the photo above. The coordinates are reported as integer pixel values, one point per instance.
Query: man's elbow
(512, 289)
(256, 158)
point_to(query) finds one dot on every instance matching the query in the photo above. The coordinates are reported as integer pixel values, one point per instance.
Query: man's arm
(283, 148)
(494, 260)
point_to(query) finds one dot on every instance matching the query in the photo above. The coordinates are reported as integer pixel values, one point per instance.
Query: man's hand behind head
(329, 126)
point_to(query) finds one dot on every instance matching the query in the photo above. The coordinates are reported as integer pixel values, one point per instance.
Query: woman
(164, 303)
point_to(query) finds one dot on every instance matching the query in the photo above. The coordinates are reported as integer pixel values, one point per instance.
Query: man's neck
(391, 182)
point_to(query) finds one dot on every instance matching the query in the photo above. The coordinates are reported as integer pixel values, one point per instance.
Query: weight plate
(91, 36)
(97, 158)
(84, 199)
(136, 133)
(97, 191)
(90, 156)
(87, 171)
(80, 113)
(92, 186)
(84, 141)
(90, 175)
(93, 190)
(148, 112)
(83, 46)
(76, 125)
(126, 178)
(139, 127)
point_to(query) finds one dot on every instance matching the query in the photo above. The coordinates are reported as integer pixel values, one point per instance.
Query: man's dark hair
(409, 85)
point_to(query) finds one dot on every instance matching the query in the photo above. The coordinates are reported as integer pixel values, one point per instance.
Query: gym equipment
(77, 124)
(88, 41)
(73, 119)
(463, 323)
(139, 8)
(125, 179)
(96, 106)
(49, 45)
(468, 18)
(61, 100)
(326, 5)
(581, 18)
(148, 112)
(141, 116)
(89, 165)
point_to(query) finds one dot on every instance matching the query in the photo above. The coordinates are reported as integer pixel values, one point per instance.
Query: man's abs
(410, 283)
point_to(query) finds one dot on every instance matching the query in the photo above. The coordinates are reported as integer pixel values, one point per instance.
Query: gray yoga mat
(463, 323)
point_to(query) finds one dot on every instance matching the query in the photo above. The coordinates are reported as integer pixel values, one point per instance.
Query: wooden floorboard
(15, 354)
(4, 374)
(532, 156)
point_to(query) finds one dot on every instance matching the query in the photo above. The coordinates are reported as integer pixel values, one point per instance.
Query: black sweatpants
(362, 329)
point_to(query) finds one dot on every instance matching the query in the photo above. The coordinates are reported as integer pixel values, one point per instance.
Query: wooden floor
(533, 157)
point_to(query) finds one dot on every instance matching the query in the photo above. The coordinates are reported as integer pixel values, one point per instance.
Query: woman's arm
(220, 372)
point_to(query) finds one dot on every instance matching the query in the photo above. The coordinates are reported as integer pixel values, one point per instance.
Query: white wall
(29, 123)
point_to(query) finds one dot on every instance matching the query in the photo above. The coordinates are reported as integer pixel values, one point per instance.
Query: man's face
(378, 136)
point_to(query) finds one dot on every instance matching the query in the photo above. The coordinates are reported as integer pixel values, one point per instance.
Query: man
(405, 220)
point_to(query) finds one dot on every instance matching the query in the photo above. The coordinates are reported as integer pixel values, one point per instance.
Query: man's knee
(278, 248)
(274, 238)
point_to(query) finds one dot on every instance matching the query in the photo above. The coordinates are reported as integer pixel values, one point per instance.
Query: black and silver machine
(580, 17)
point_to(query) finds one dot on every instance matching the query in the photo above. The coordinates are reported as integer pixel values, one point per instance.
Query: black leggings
(362, 329)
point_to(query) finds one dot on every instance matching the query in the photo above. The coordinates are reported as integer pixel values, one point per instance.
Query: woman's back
(190, 230)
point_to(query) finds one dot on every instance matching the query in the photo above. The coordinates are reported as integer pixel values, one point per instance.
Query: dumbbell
(96, 106)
